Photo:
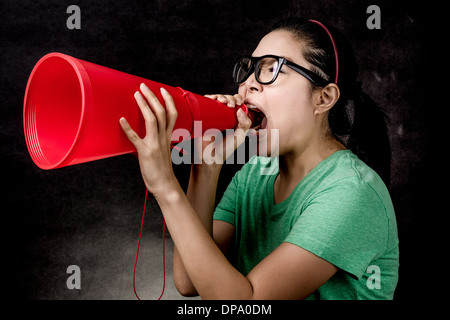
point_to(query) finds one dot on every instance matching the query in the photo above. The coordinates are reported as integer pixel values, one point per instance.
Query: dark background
(89, 215)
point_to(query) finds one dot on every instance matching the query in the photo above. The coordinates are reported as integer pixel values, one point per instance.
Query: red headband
(334, 47)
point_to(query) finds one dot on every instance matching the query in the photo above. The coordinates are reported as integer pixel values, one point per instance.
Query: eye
(269, 64)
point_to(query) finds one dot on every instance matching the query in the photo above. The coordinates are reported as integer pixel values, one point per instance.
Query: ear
(325, 98)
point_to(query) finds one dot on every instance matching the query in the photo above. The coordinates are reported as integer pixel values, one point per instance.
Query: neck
(295, 165)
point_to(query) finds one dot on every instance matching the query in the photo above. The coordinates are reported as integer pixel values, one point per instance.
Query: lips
(259, 119)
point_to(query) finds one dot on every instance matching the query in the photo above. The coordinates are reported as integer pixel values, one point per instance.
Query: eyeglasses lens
(266, 70)
(242, 69)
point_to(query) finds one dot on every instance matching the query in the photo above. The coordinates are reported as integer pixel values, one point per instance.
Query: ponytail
(368, 137)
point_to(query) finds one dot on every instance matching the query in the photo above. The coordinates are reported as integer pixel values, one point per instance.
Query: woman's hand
(223, 148)
(229, 100)
(154, 151)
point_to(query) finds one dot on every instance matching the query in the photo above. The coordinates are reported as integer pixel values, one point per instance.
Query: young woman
(320, 224)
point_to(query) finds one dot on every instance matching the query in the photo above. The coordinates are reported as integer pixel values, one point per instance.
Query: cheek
(294, 117)
(292, 110)
(241, 90)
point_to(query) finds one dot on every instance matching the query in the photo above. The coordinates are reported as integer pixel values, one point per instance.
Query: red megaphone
(72, 110)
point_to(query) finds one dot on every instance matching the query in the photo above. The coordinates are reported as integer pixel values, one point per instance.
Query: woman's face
(288, 102)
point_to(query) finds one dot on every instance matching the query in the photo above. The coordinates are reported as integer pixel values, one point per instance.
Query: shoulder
(347, 194)
(345, 173)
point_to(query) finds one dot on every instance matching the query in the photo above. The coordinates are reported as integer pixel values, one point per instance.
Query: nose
(251, 85)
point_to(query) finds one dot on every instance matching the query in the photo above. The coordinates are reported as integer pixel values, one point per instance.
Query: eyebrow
(287, 58)
(282, 56)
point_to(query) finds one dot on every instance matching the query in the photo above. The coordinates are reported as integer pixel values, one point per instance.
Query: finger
(244, 121)
(233, 141)
(239, 99)
(131, 134)
(156, 107)
(219, 97)
(151, 125)
(171, 111)
(231, 101)
(234, 100)
(244, 124)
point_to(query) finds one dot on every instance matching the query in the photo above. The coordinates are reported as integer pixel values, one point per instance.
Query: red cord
(137, 252)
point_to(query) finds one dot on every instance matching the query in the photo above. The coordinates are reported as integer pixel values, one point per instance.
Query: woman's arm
(289, 272)
(201, 194)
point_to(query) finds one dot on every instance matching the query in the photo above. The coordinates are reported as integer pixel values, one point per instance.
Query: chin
(264, 142)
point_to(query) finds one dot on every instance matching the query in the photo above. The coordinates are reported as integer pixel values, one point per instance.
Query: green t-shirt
(341, 211)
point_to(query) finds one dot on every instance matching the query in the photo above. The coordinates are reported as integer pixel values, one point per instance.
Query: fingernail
(143, 85)
(163, 91)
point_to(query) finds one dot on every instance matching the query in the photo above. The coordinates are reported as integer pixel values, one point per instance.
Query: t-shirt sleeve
(345, 224)
(226, 209)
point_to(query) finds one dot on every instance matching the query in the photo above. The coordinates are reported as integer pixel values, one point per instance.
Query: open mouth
(259, 120)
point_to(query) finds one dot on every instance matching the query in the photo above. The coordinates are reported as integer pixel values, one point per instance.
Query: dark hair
(355, 120)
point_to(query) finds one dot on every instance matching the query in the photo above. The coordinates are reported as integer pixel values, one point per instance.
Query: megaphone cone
(72, 109)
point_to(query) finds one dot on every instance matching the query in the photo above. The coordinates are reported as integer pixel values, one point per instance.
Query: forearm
(201, 194)
(208, 269)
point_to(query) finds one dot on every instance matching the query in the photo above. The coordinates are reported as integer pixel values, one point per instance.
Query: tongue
(264, 123)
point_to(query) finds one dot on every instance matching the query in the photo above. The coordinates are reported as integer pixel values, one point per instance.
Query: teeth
(250, 106)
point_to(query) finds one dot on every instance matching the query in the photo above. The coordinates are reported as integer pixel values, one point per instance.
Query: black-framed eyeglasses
(267, 68)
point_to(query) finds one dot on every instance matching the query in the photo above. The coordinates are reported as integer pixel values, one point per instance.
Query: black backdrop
(89, 214)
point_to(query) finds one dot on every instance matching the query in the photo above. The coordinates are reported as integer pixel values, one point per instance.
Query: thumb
(242, 128)
(244, 122)
(233, 141)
